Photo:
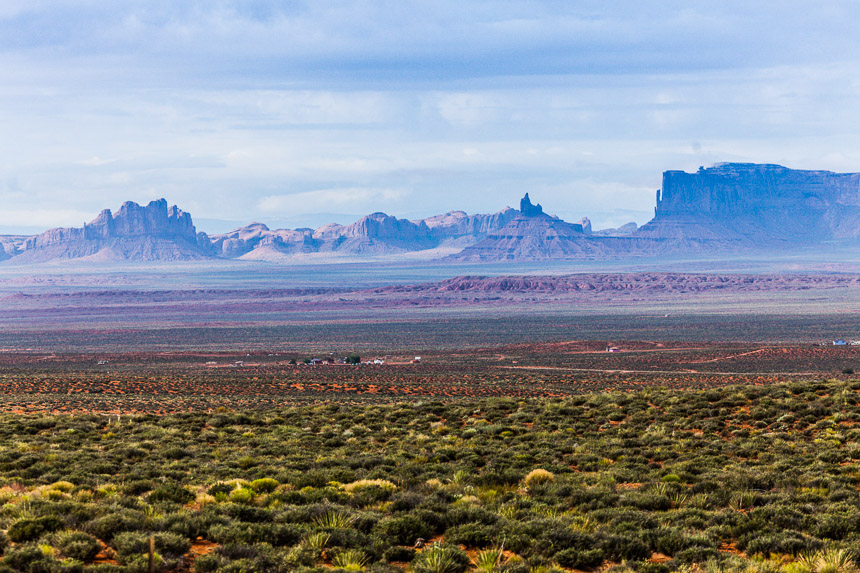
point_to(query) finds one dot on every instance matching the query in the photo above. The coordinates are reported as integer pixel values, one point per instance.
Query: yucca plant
(659, 488)
(350, 560)
(488, 560)
(316, 541)
(699, 501)
(580, 523)
(334, 520)
(439, 559)
(829, 560)
(742, 500)
(508, 511)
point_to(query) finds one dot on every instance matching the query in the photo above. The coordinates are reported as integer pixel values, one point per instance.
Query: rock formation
(376, 233)
(534, 235)
(622, 231)
(730, 206)
(461, 228)
(529, 210)
(151, 233)
(258, 237)
(745, 205)
(585, 223)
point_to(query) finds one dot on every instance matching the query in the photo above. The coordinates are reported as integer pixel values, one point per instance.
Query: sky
(296, 114)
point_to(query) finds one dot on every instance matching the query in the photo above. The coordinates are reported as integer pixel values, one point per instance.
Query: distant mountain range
(156, 232)
(728, 207)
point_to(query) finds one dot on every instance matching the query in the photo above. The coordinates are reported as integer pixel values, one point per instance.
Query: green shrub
(107, 526)
(472, 535)
(579, 558)
(649, 567)
(30, 558)
(404, 530)
(32, 529)
(696, 554)
(168, 545)
(264, 485)
(138, 487)
(78, 545)
(172, 493)
(623, 546)
(399, 553)
(538, 477)
(242, 495)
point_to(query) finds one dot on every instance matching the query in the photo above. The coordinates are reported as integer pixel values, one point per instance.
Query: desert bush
(168, 545)
(78, 545)
(538, 477)
(399, 553)
(403, 530)
(472, 535)
(32, 529)
(31, 558)
(172, 493)
(573, 558)
(264, 485)
(107, 526)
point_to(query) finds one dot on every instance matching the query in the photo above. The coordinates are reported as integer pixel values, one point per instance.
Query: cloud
(318, 43)
(356, 106)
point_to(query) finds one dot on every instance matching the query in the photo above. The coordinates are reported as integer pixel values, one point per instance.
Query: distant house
(316, 361)
(839, 342)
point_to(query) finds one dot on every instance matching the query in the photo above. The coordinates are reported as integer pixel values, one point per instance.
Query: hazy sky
(301, 113)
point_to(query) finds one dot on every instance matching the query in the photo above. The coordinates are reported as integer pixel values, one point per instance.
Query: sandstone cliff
(151, 233)
(744, 205)
(258, 236)
(458, 226)
(376, 233)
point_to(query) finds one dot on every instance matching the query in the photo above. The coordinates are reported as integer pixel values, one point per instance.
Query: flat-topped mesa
(757, 202)
(529, 210)
(734, 188)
